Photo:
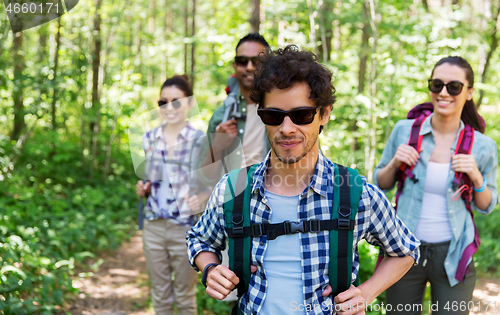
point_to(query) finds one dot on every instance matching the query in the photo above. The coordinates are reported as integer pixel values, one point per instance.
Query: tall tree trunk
(193, 42)
(255, 16)
(151, 24)
(425, 5)
(372, 134)
(96, 101)
(326, 27)
(483, 71)
(186, 35)
(17, 91)
(138, 54)
(364, 51)
(152, 5)
(85, 97)
(336, 25)
(168, 17)
(363, 60)
(42, 40)
(166, 38)
(312, 27)
(111, 140)
(54, 80)
(83, 136)
(323, 55)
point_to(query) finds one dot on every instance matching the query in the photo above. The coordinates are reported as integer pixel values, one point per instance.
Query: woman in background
(172, 204)
(430, 206)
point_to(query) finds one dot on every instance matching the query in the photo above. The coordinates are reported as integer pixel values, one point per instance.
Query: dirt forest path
(120, 286)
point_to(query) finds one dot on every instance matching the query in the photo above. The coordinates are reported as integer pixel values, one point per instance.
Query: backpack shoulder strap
(464, 146)
(404, 170)
(194, 157)
(231, 103)
(237, 215)
(347, 190)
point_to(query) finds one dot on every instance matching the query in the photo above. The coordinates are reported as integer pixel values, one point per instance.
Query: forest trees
(380, 52)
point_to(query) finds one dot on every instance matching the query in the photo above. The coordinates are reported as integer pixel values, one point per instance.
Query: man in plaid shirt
(295, 182)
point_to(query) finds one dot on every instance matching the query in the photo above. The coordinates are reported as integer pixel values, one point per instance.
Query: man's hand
(221, 281)
(230, 128)
(348, 302)
(143, 189)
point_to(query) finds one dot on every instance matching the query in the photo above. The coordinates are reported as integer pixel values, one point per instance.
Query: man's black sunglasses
(454, 87)
(243, 60)
(299, 116)
(175, 103)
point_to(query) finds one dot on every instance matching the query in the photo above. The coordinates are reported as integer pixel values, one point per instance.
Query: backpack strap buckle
(314, 226)
(291, 227)
(237, 219)
(257, 230)
(238, 232)
(344, 224)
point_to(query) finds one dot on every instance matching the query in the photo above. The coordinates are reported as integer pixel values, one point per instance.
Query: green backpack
(346, 195)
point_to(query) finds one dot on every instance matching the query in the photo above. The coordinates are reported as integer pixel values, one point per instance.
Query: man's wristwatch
(205, 273)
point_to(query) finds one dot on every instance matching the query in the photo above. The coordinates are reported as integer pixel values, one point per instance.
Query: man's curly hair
(284, 67)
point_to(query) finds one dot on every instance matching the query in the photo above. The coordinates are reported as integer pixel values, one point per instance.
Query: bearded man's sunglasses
(299, 116)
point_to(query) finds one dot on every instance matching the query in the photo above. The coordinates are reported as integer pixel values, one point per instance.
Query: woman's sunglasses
(454, 87)
(299, 116)
(175, 103)
(243, 60)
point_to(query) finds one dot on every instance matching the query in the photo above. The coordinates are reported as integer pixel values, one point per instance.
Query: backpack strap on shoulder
(194, 158)
(406, 171)
(237, 216)
(348, 187)
(464, 146)
(231, 102)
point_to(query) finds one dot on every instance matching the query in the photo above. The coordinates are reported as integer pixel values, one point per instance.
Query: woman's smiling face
(169, 113)
(444, 103)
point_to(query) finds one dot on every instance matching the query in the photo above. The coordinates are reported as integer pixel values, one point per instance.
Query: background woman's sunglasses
(299, 116)
(454, 87)
(243, 60)
(175, 103)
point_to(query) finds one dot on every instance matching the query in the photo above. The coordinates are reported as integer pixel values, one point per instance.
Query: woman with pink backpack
(445, 168)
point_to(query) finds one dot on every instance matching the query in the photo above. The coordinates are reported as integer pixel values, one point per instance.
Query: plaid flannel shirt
(376, 222)
(155, 146)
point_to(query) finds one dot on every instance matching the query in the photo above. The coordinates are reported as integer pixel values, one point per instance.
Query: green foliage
(52, 218)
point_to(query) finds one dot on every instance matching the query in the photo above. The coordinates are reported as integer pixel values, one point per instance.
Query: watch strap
(482, 188)
(205, 273)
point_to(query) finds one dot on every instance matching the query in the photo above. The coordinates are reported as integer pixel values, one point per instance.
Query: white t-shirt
(434, 223)
(282, 262)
